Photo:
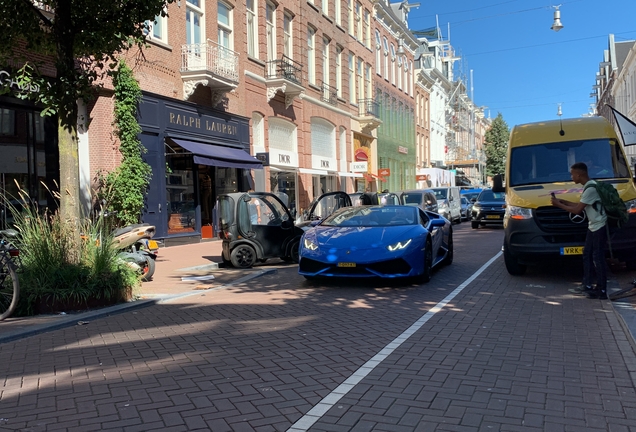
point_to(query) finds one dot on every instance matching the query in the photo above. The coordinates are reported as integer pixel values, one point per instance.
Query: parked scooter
(137, 247)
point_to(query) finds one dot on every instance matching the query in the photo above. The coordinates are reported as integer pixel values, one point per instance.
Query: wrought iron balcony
(368, 112)
(209, 64)
(329, 94)
(284, 68)
(284, 75)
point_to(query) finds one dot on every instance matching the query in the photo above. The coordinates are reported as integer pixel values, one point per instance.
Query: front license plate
(572, 250)
(492, 217)
(343, 264)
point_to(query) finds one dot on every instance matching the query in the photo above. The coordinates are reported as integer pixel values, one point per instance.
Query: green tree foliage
(496, 145)
(124, 188)
(82, 40)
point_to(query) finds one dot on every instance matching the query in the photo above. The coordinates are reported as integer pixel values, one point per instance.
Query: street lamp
(556, 25)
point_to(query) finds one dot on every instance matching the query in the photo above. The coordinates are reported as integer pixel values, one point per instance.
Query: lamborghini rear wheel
(428, 262)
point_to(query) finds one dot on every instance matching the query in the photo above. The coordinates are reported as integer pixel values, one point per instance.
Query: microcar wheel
(294, 252)
(243, 256)
(474, 225)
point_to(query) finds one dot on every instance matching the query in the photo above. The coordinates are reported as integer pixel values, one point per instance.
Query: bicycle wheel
(9, 287)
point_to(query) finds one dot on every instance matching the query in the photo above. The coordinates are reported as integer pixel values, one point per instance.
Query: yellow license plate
(152, 244)
(572, 250)
(492, 217)
(343, 264)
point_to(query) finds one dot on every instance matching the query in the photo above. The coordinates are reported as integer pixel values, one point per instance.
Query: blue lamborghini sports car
(377, 241)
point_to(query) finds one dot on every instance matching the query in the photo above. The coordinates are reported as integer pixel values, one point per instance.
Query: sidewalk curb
(74, 319)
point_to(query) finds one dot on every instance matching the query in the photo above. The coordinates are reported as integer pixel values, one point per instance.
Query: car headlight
(399, 245)
(519, 213)
(476, 208)
(309, 244)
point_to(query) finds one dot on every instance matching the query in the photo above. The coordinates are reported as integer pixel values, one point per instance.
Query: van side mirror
(497, 183)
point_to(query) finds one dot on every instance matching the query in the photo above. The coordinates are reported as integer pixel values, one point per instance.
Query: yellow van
(538, 163)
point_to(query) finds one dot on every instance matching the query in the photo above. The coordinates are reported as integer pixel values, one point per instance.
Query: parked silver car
(467, 208)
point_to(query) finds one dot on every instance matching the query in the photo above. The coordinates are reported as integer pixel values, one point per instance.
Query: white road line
(314, 414)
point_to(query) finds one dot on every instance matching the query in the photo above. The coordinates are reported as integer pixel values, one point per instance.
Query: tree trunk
(70, 211)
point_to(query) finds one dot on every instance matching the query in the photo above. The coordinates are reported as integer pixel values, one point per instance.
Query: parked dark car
(488, 209)
(471, 193)
(422, 198)
(254, 227)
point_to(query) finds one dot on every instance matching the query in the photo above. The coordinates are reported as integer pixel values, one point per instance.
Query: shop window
(7, 122)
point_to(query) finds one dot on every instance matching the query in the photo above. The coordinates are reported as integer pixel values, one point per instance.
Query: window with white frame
(360, 77)
(325, 59)
(288, 40)
(399, 72)
(325, 7)
(358, 19)
(352, 78)
(258, 128)
(338, 12)
(350, 17)
(252, 28)
(311, 55)
(339, 51)
(342, 146)
(393, 65)
(194, 21)
(369, 84)
(411, 77)
(270, 30)
(378, 53)
(323, 138)
(282, 135)
(158, 29)
(367, 28)
(385, 44)
(225, 25)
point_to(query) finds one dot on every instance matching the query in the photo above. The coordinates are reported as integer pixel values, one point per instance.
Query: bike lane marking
(314, 414)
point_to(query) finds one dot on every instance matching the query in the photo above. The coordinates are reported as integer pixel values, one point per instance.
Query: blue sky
(520, 67)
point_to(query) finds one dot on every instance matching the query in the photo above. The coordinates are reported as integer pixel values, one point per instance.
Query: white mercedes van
(449, 202)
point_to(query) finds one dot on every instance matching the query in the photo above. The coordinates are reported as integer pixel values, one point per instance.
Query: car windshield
(372, 216)
(489, 195)
(549, 163)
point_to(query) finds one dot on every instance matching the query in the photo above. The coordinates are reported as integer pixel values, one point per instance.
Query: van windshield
(549, 163)
(440, 194)
(412, 198)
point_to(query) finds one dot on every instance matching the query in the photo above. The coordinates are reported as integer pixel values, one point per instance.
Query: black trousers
(594, 266)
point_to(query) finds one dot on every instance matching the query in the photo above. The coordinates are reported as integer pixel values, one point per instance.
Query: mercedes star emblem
(577, 218)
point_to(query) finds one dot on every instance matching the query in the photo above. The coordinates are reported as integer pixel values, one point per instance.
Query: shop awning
(214, 155)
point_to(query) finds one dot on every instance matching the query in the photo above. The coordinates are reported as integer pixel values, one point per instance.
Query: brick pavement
(506, 354)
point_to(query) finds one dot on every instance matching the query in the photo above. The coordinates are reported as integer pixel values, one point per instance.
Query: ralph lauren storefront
(196, 154)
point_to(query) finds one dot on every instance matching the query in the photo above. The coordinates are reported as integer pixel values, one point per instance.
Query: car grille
(552, 219)
(392, 267)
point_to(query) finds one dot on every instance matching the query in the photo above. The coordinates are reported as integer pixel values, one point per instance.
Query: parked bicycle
(9, 285)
